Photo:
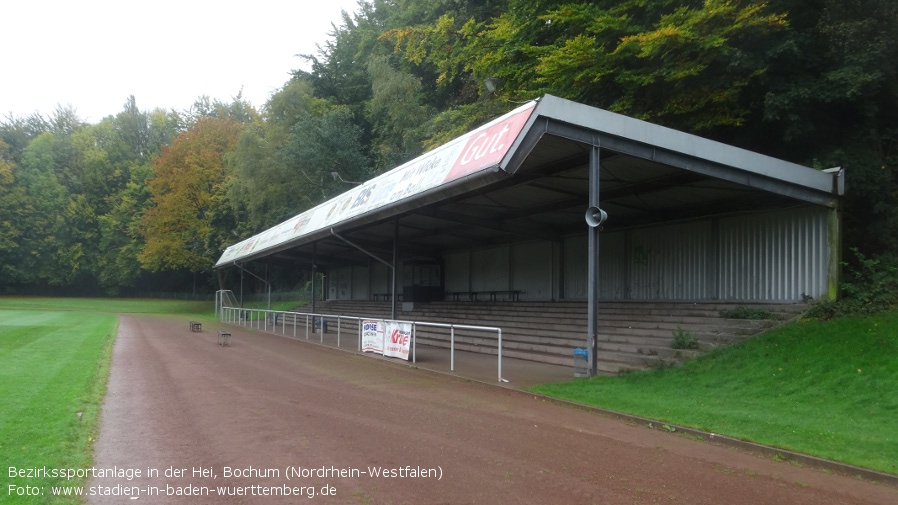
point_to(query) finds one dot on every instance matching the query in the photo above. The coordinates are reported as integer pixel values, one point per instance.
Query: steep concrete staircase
(632, 335)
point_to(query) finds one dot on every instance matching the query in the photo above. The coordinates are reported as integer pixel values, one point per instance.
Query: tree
(266, 187)
(396, 111)
(121, 239)
(41, 255)
(120, 164)
(324, 145)
(283, 164)
(188, 188)
(685, 64)
(204, 107)
(832, 100)
(12, 202)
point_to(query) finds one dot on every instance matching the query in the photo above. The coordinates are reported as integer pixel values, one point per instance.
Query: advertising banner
(470, 153)
(397, 340)
(373, 336)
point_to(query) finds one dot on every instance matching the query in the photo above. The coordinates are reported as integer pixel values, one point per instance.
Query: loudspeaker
(595, 217)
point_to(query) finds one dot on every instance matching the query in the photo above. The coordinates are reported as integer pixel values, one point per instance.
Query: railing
(272, 321)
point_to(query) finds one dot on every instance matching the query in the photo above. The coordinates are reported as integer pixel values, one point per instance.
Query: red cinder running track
(270, 417)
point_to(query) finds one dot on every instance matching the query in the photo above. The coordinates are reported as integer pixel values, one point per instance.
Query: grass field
(109, 305)
(828, 389)
(53, 367)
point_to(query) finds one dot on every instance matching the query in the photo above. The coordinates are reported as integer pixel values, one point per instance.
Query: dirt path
(178, 401)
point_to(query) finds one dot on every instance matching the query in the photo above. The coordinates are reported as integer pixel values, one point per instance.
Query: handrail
(245, 317)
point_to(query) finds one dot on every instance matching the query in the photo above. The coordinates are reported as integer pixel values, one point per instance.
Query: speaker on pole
(595, 217)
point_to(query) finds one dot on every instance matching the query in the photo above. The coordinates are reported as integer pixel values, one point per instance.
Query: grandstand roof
(525, 175)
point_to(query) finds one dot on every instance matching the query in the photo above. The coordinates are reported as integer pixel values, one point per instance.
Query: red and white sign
(487, 147)
(397, 340)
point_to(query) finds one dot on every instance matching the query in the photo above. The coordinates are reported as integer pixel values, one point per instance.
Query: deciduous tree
(188, 188)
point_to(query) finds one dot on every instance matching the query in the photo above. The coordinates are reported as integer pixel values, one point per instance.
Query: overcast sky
(93, 54)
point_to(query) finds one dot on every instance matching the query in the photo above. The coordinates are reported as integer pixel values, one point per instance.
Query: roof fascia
(593, 126)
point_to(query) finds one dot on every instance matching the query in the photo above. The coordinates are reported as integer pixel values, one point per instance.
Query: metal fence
(306, 324)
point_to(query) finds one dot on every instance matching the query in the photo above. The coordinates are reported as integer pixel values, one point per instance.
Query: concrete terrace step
(608, 363)
(563, 347)
(609, 311)
(632, 335)
(549, 323)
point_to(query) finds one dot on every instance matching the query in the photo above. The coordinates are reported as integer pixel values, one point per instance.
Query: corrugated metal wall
(612, 269)
(776, 256)
(532, 270)
(613, 272)
(490, 269)
(761, 257)
(381, 281)
(670, 262)
(457, 271)
(574, 265)
(361, 282)
(529, 266)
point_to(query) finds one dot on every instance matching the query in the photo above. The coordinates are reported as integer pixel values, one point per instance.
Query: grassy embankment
(829, 389)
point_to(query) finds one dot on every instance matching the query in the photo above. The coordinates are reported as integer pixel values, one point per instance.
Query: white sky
(93, 54)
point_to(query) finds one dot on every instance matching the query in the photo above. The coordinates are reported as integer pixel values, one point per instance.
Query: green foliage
(283, 165)
(12, 199)
(41, 255)
(64, 186)
(679, 63)
(322, 145)
(691, 68)
(871, 286)
(682, 339)
(120, 233)
(396, 113)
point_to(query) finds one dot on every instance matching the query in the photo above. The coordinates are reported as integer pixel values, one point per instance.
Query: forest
(146, 200)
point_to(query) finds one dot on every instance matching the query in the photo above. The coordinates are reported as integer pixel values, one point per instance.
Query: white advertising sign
(373, 336)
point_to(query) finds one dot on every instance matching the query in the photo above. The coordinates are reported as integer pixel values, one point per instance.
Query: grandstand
(616, 232)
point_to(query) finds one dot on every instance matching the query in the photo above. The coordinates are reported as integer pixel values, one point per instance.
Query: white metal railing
(279, 320)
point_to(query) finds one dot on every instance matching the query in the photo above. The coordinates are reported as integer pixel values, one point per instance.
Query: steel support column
(314, 276)
(267, 284)
(395, 261)
(593, 264)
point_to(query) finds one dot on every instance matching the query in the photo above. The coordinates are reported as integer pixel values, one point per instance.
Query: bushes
(870, 286)
(682, 339)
